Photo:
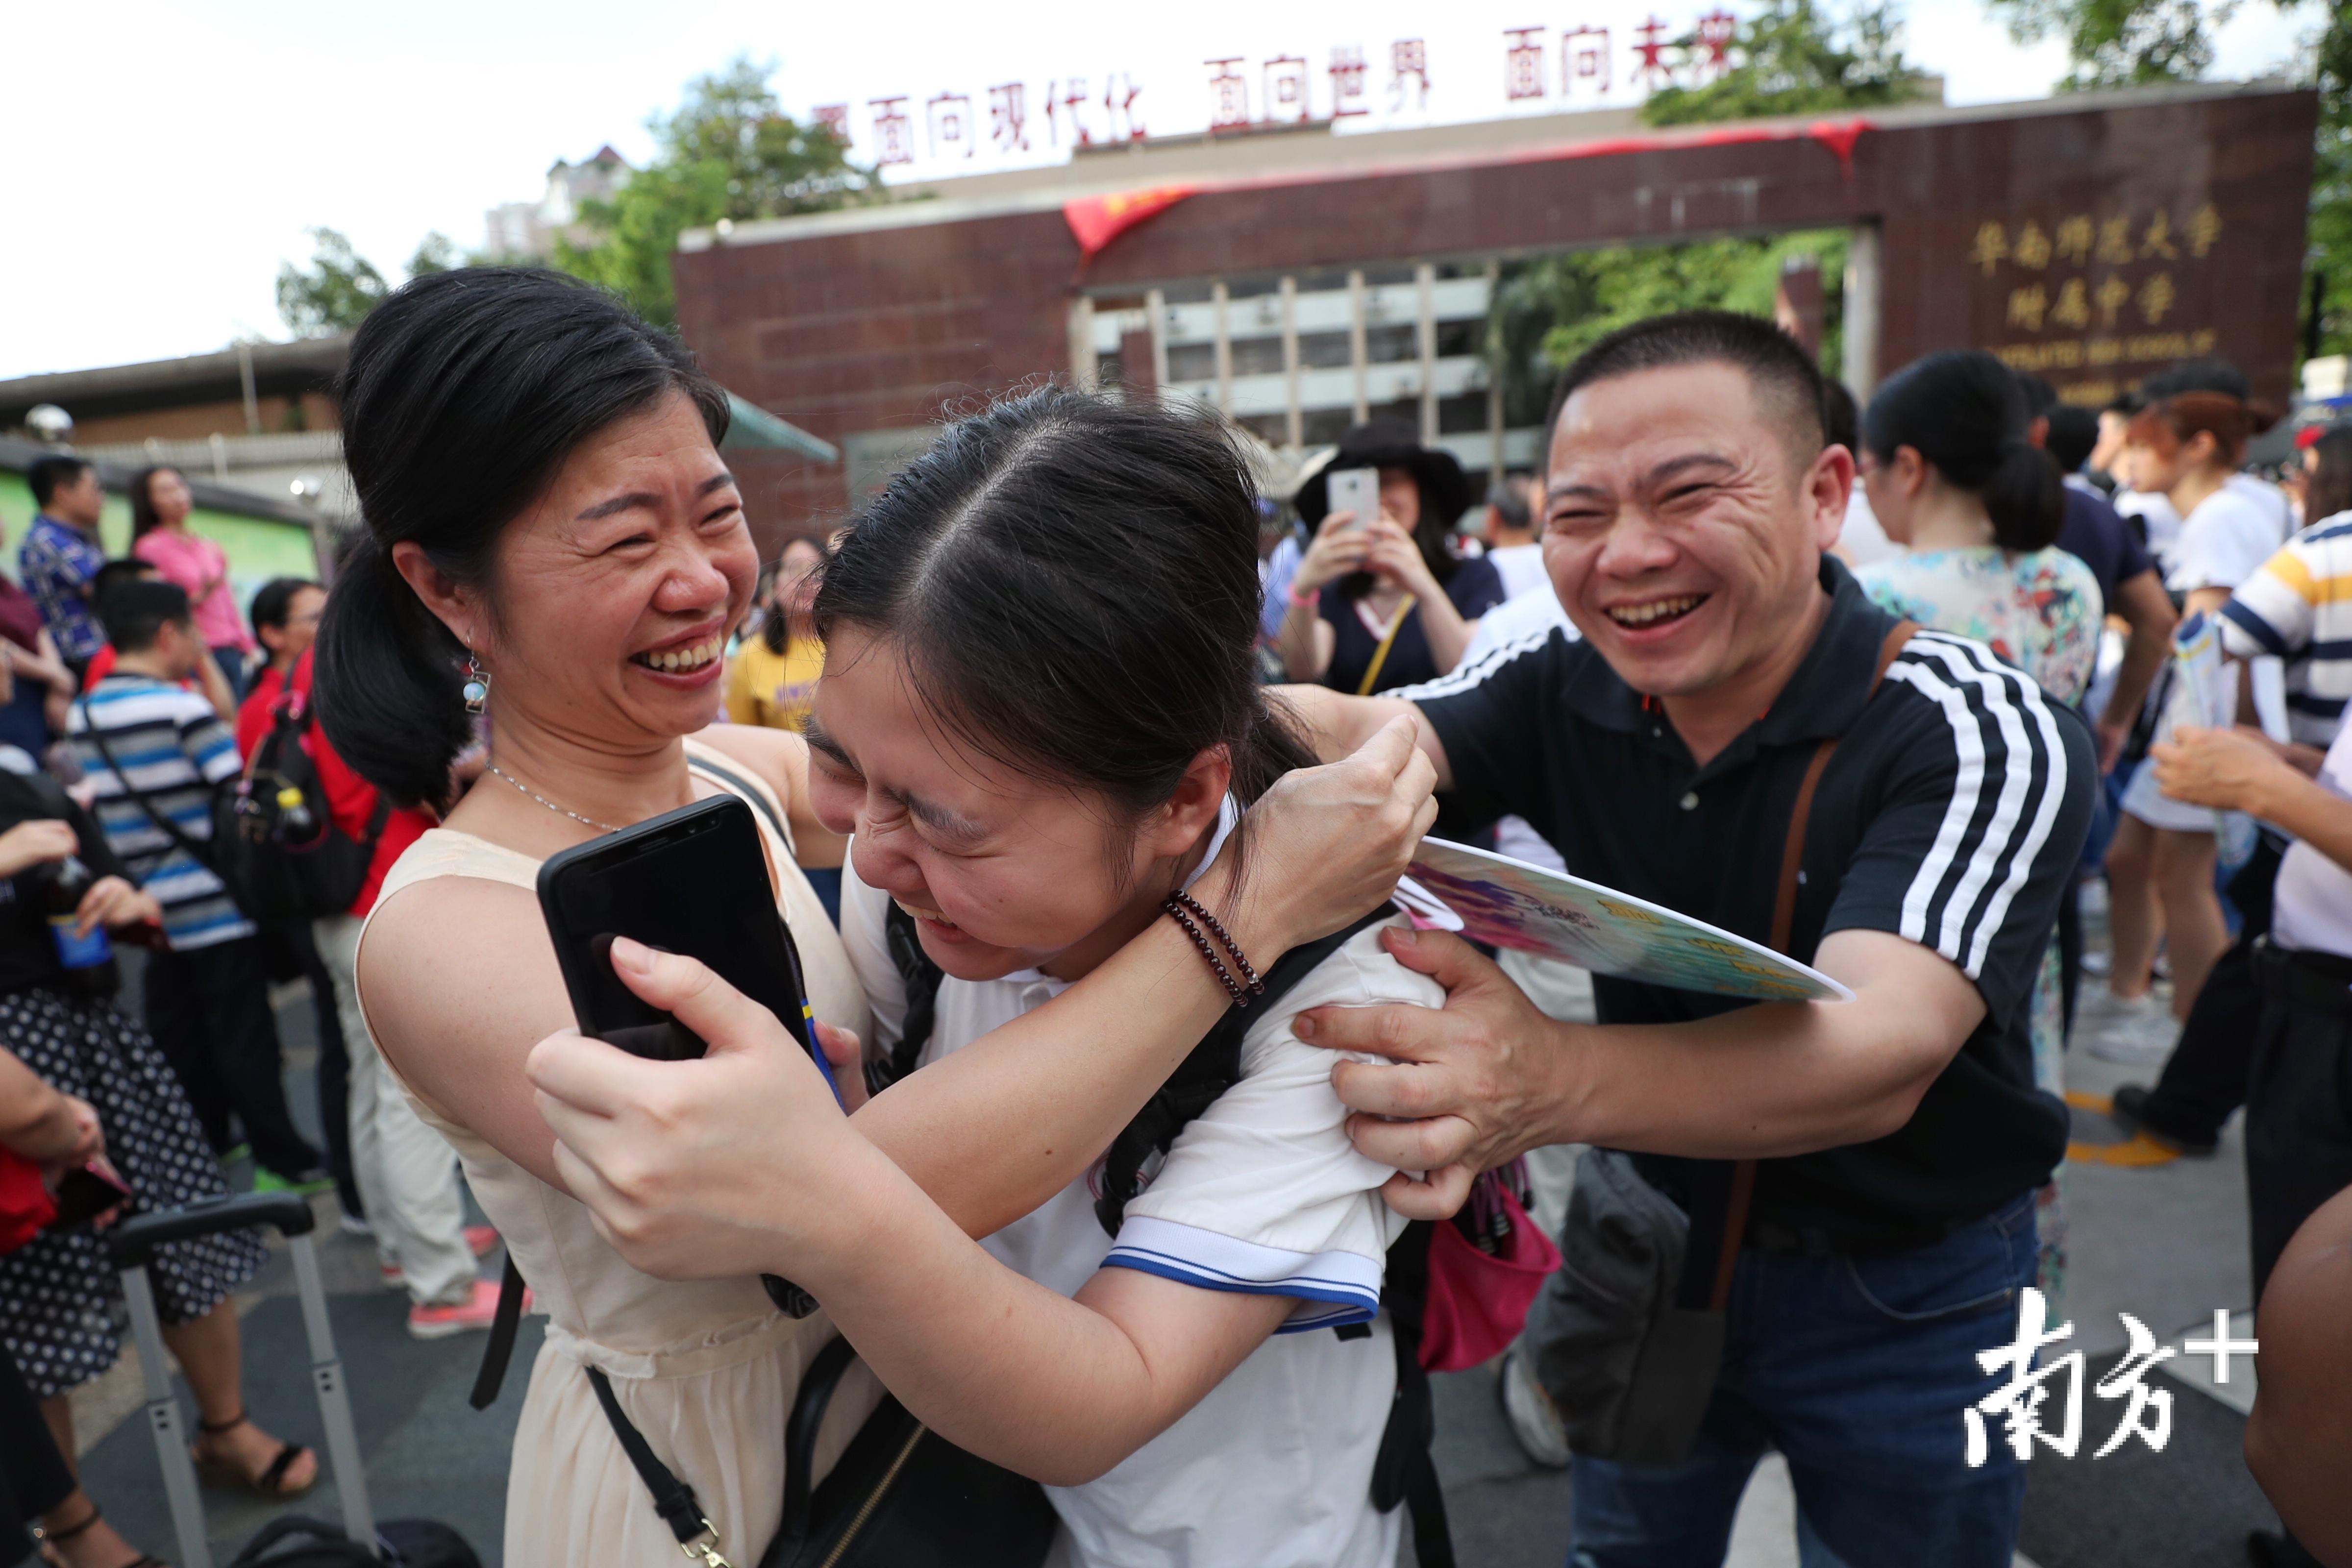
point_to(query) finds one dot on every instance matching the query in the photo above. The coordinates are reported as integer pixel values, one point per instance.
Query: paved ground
(2164, 1243)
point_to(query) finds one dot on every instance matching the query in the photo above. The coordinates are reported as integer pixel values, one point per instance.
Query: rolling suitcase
(289, 1543)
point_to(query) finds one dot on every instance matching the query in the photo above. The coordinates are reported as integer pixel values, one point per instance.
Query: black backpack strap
(921, 978)
(748, 792)
(500, 1348)
(1214, 1066)
(673, 1498)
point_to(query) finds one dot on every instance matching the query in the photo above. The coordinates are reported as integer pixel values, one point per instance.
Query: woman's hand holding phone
(1394, 555)
(1337, 549)
(735, 1163)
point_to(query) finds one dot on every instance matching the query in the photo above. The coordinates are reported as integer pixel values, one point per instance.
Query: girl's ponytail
(2025, 498)
(1963, 412)
(385, 674)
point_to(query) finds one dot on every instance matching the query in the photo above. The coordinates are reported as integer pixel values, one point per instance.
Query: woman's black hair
(143, 520)
(1963, 411)
(2331, 477)
(1072, 582)
(776, 622)
(464, 393)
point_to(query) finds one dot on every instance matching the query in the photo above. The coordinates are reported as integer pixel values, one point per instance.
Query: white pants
(407, 1174)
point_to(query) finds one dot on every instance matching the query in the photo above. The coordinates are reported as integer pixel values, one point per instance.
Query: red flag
(1096, 221)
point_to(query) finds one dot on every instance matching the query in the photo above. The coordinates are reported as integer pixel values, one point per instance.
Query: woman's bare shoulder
(443, 954)
(778, 756)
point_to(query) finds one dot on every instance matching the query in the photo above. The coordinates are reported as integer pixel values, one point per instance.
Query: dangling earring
(476, 689)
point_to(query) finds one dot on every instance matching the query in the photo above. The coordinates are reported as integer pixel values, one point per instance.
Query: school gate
(1302, 281)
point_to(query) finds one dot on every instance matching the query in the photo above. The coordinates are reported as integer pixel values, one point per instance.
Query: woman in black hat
(1381, 604)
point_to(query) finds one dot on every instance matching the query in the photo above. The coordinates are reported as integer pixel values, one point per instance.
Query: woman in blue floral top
(1951, 476)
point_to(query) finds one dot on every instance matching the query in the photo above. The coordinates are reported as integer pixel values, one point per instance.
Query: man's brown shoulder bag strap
(1784, 916)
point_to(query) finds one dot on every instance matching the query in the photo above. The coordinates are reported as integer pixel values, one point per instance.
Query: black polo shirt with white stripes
(1951, 814)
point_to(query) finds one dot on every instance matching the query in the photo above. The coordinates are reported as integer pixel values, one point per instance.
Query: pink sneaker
(481, 1237)
(395, 1277)
(480, 1305)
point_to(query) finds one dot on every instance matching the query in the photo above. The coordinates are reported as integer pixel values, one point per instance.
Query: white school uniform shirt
(2270, 499)
(2224, 540)
(1262, 1193)
(2156, 517)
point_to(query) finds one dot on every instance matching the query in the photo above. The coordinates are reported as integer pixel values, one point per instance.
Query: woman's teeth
(933, 916)
(1657, 610)
(678, 660)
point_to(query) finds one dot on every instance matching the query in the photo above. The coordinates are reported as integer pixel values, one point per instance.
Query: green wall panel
(259, 549)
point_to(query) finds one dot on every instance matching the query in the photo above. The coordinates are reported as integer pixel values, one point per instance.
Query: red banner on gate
(1096, 221)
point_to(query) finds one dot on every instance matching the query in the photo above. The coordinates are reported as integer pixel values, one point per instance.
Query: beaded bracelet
(1257, 986)
(1175, 911)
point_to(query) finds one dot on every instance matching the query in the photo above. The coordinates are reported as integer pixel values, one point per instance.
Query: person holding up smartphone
(1380, 602)
(62, 892)
(553, 535)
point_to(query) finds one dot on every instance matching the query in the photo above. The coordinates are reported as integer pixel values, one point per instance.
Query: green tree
(2118, 43)
(333, 293)
(1793, 57)
(436, 252)
(2112, 42)
(729, 152)
(2331, 184)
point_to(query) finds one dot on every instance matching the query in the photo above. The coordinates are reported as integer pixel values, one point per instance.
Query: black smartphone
(693, 881)
(86, 1194)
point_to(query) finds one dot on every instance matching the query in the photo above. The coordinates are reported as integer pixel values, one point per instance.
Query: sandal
(232, 1476)
(50, 1538)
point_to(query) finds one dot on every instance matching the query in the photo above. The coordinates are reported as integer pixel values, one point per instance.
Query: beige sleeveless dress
(706, 1369)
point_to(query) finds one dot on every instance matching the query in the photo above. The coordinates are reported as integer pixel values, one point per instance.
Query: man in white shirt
(1511, 539)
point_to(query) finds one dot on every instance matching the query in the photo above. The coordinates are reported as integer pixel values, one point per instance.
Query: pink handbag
(1485, 1266)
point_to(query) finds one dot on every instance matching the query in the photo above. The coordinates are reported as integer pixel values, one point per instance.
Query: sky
(177, 153)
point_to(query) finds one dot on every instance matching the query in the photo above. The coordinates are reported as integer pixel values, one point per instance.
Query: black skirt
(59, 1293)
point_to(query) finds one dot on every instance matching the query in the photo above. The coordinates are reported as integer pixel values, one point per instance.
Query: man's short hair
(1786, 383)
(111, 575)
(2041, 397)
(274, 602)
(135, 612)
(1840, 417)
(47, 475)
(2074, 431)
(1510, 503)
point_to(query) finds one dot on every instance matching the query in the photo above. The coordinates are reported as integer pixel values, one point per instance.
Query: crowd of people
(1073, 748)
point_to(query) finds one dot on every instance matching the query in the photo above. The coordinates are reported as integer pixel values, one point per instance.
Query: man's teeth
(679, 660)
(1657, 610)
(933, 916)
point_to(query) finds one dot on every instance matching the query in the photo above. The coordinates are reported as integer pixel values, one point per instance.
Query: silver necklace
(601, 826)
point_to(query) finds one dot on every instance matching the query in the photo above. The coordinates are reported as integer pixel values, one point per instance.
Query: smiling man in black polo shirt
(1900, 1136)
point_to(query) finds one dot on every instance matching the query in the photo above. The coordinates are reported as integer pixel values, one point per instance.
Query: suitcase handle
(133, 1245)
(133, 1242)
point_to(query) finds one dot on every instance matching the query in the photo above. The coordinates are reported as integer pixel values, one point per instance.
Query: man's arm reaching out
(1337, 724)
(1487, 1077)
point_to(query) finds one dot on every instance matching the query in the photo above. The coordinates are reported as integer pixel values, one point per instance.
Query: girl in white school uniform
(1037, 715)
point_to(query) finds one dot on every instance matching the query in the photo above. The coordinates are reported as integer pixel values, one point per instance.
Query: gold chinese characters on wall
(2094, 294)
